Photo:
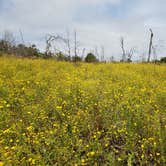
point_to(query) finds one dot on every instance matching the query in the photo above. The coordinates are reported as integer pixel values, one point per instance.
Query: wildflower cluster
(58, 113)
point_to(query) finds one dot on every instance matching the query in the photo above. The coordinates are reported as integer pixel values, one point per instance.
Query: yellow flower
(6, 147)
(142, 146)
(11, 140)
(1, 163)
(87, 146)
(8, 105)
(59, 107)
(13, 147)
(33, 161)
(94, 136)
(82, 161)
(30, 128)
(106, 145)
(158, 154)
(17, 141)
(142, 156)
(30, 159)
(91, 153)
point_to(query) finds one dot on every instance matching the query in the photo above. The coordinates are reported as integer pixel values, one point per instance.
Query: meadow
(60, 113)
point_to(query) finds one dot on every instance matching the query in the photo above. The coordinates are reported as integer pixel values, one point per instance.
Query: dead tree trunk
(68, 44)
(123, 50)
(102, 54)
(150, 45)
(83, 53)
(75, 45)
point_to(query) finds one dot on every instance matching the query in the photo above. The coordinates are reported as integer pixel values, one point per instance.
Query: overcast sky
(97, 22)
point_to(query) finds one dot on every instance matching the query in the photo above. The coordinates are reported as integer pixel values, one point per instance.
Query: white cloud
(38, 17)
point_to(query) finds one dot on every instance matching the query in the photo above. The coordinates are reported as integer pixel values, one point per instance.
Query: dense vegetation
(59, 113)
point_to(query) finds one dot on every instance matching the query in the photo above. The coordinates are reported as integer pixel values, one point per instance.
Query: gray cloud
(36, 18)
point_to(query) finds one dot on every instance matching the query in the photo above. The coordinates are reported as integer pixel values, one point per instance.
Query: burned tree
(130, 54)
(123, 50)
(75, 45)
(49, 40)
(76, 57)
(150, 45)
(154, 53)
(67, 41)
(83, 53)
(7, 43)
(96, 52)
(102, 54)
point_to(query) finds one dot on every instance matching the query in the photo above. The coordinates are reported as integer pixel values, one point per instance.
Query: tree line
(8, 46)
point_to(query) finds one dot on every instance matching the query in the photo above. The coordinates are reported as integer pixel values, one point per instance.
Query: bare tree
(154, 53)
(96, 52)
(143, 56)
(150, 44)
(123, 50)
(112, 59)
(9, 41)
(75, 44)
(83, 53)
(48, 45)
(76, 48)
(102, 53)
(21, 35)
(22, 44)
(68, 43)
(8, 37)
(130, 54)
(49, 41)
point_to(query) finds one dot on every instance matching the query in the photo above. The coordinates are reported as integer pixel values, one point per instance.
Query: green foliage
(61, 57)
(163, 60)
(90, 58)
(19, 50)
(76, 59)
(22, 50)
(4, 47)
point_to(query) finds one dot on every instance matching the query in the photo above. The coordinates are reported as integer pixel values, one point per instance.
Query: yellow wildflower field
(59, 113)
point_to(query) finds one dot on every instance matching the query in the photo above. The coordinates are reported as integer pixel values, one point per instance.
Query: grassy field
(57, 113)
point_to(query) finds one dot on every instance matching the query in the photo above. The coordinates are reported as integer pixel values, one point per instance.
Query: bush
(163, 60)
(61, 57)
(76, 59)
(91, 58)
